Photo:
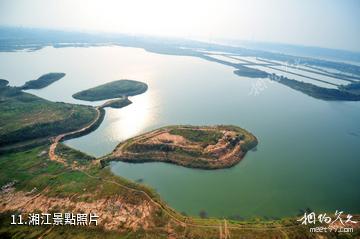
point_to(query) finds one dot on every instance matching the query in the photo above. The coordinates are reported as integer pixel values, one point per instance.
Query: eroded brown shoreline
(222, 146)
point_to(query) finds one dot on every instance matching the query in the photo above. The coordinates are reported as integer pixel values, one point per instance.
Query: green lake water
(308, 154)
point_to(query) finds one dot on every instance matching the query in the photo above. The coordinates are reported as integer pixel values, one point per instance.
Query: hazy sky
(326, 23)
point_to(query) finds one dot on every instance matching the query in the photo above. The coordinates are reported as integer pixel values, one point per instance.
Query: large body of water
(308, 152)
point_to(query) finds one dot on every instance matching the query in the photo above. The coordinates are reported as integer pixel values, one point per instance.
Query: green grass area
(26, 117)
(29, 169)
(114, 89)
(33, 169)
(195, 135)
(73, 155)
(43, 81)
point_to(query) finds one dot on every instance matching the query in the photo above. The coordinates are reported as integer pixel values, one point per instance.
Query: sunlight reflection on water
(131, 120)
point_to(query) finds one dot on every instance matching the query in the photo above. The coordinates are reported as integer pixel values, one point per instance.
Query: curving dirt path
(57, 139)
(183, 221)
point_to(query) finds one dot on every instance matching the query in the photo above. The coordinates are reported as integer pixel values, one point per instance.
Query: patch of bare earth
(171, 139)
(161, 145)
(114, 212)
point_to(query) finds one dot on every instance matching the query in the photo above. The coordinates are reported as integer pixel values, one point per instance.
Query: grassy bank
(26, 117)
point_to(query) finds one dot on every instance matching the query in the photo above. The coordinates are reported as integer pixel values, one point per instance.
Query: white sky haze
(325, 23)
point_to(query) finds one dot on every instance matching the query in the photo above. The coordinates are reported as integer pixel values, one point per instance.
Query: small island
(111, 90)
(117, 103)
(250, 72)
(43, 81)
(205, 147)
